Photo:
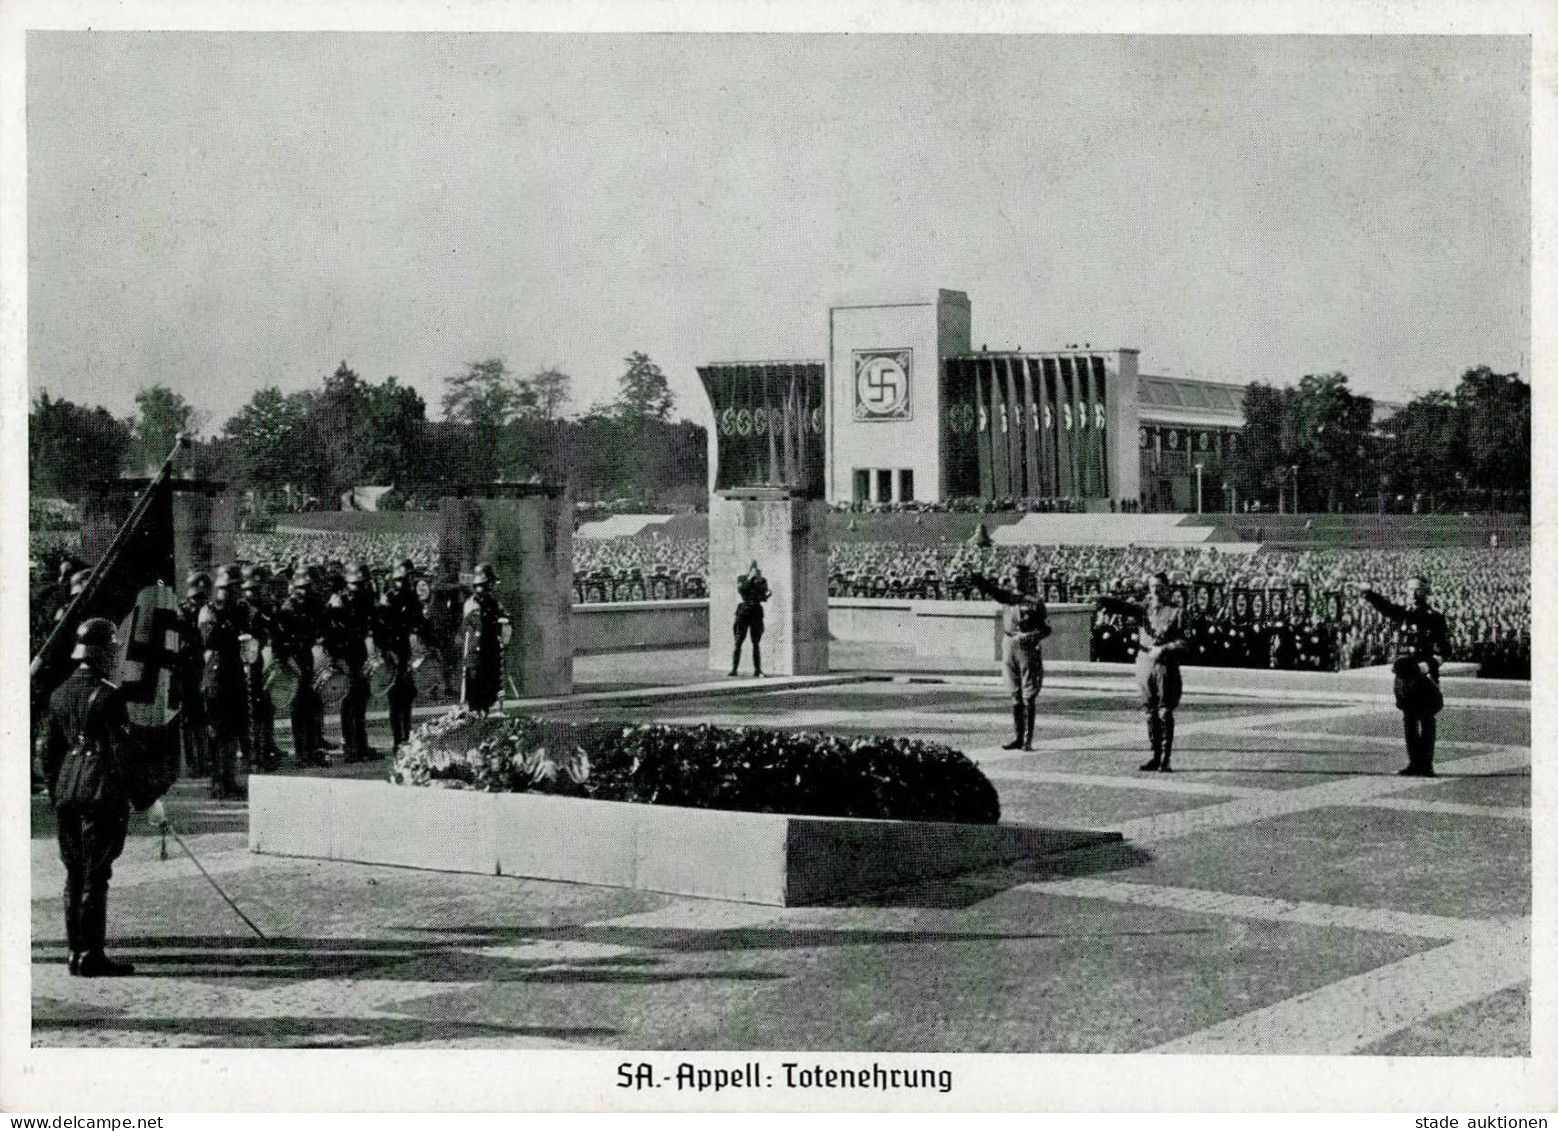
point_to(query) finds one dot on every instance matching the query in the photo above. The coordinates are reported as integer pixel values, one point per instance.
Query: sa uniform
(84, 760)
(193, 727)
(349, 618)
(401, 616)
(482, 622)
(222, 688)
(752, 589)
(299, 627)
(1024, 626)
(260, 625)
(1160, 638)
(1422, 637)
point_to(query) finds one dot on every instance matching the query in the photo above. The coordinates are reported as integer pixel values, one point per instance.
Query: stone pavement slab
(1327, 906)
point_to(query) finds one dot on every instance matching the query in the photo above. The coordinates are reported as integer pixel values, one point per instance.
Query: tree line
(304, 450)
(1317, 443)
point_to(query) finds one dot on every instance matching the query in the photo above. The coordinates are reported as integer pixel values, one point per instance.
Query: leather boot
(96, 964)
(1168, 742)
(757, 661)
(735, 661)
(1027, 734)
(1155, 736)
(1018, 719)
(93, 963)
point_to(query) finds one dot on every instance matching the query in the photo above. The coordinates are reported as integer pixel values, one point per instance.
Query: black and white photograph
(750, 562)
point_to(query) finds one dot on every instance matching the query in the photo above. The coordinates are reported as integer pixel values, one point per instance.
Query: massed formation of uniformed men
(349, 621)
(401, 616)
(483, 626)
(222, 686)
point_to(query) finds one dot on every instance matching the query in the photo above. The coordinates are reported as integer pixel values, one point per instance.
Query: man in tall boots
(483, 626)
(193, 726)
(349, 617)
(222, 686)
(259, 620)
(84, 761)
(752, 588)
(401, 617)
(299, 627)
(1422, 637)
(1024, 625)
(1160, 640)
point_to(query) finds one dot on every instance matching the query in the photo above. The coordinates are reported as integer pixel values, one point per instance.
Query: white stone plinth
(788, 538)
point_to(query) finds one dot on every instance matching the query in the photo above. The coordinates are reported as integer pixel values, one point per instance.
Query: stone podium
(525, 533)
(786, 533)
(765, 505)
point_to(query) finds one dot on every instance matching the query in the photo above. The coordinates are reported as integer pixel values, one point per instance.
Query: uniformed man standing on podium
(752, 588)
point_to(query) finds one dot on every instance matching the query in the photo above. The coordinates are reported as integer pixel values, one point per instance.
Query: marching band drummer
(349, 618)
(401, 617)
(300, 622)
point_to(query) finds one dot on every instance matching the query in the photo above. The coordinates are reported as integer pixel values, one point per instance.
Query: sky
(222, 211)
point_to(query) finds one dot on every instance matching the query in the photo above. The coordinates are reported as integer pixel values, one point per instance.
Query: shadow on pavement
(212, 959)
(312, 1032)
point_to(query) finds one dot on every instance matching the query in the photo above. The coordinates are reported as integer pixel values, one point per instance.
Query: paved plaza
(1283, 892)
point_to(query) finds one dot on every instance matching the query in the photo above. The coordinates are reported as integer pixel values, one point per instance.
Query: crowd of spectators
(639, 569)
(979, 504)
(1276, 609)
(1270, 608)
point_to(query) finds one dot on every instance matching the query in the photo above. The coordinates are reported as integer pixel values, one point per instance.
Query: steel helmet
(92, 634)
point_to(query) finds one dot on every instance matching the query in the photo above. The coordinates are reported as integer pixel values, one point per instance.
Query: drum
(380, 676)
(332, 682)
(281, 682)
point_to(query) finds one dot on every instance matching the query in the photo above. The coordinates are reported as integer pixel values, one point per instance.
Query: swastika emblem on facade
(882, 384)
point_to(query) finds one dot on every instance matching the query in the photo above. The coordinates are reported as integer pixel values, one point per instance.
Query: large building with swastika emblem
(904, 409)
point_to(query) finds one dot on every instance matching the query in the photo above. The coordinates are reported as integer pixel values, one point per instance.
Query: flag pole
(127, 530)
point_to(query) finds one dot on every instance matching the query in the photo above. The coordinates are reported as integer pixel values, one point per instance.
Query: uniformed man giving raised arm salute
(1024, 625)
(1160, 639)
(1421, 638)
(752, 588)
